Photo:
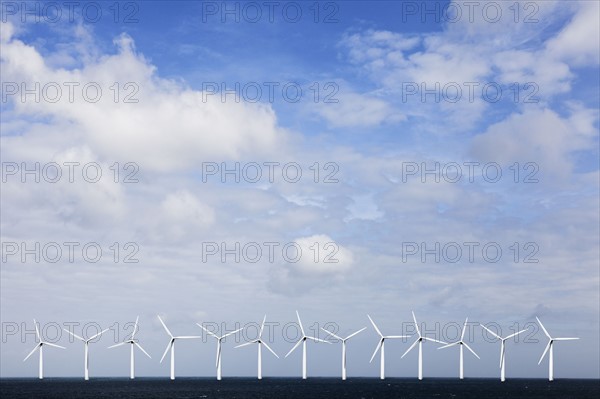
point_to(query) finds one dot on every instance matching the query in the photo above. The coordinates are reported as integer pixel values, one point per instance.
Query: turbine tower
(344, 340)
(461, 344)
(550, 347)
(260, 343)
(302, 341)
(133, 343)
(40, 346)
(219, 343)
(171, 346)
(503, 350)
(86, 342)
(381, 345)
(420, 342)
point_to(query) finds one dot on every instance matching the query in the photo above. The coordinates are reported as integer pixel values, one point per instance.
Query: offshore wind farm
(300, 199)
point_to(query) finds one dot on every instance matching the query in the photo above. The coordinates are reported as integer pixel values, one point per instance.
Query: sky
(214, 162)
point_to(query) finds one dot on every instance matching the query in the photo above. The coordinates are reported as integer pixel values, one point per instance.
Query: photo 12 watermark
(85, 12)
(253, 12)
(269, 172)
(270, 92)
(69, 171)
(467, 11)
(469, 172)
(71, 92)
(68, 252)
(269, 251)
(468, 252)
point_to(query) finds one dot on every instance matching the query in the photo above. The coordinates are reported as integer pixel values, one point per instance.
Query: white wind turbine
(503, 350)
(133, 343)
(344, 347)
(171, 346)
(420, 342)
(550, 347)
(86, 342)
(40, 346)
(302, 341)
(219, 343)
(260, 343)
(381, 344)
(461, 344)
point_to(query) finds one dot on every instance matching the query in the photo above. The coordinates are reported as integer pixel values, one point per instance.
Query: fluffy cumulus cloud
(472, 52)
(161, 124)
(541, 136)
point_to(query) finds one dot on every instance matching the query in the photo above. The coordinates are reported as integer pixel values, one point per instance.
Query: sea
(326, 388)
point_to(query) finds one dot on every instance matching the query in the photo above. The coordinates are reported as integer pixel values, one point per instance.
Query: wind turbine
(550, 347)
(344, 347)
(381, 344)
(302, 341)
(86, 342)
(260, 343)
(133, 343)
(40, 346)
(502, 350)
(420, 342)
(171, 346)
(461, 344)
(219, 342)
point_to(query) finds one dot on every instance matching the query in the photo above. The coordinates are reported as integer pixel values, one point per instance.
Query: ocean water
(329, 388)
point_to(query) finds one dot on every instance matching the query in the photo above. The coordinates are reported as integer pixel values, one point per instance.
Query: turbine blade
(37, 331)
(318, 340)
(245, 344)
(300, 322)
(165, 326)
(543, 328)
(448, 346)
(472, 351)
(565, 339)
(54, 345)
(491, 332)
(355, 333)
(416, 324)
(545, 351)
(119, 344)
(462, 336)
(376, 349)
(409, 349)
(397, 336)
(135, 327)
(188, 337)
(142, 349)
(375, 326)
(269, 348)
(74, 335)
(262, 327)
(515, 334)
(97, 335)
(208, 332)
(502, 349)
(295, 346)
(166, 350)
(332, 334)
(434, 340)
(231, 333)
(31, 353)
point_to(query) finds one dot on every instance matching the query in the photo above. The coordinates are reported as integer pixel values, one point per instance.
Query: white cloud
(541, 136)
(171, 127)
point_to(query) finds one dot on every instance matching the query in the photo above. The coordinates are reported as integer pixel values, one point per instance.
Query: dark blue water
(296, 388)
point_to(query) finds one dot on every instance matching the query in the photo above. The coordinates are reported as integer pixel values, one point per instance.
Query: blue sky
(373, 137)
